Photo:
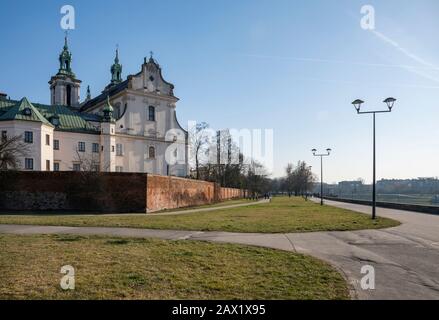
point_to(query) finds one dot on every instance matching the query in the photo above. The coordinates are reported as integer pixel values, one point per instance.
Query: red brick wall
(73, 191)
(172, 192)
(231, 193)
(105, 192)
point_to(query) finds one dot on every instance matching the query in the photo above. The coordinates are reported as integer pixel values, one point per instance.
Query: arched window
(117, 111)
(151, 113)
(151, 153)
(69, 95)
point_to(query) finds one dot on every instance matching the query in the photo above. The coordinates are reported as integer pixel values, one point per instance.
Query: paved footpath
(405, 258)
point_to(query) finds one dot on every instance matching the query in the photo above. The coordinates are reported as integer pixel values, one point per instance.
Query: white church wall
(46, 149)
(68, 148)
(35, 149)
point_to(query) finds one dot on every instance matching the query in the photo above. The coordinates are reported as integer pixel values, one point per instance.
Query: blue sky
(293, 66)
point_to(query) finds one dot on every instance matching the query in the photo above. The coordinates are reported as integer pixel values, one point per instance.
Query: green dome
(108, 107)
(108, 111)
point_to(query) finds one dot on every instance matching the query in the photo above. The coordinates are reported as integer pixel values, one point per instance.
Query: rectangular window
(76, 167)
(55, 144)
(95, 168)
(47, 140)
(151, 113)
(151, 152)
(119, 169)
(119, 149)
(116, 112)
(56, 166)
(47, 165)
(29, 163)
(81, 146)
(95, 147)
(28, 137)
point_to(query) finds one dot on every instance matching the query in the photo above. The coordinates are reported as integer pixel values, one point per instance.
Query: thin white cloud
(369, 84)
(404, 51)
(410, 55)
(423, 74)
(413, 69)
(260, 56)
(426, 66)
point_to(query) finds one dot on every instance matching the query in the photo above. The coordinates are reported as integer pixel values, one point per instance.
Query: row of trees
(298, 180)
(216, 158)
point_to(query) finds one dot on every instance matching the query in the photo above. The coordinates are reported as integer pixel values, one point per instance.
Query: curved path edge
(405, 258)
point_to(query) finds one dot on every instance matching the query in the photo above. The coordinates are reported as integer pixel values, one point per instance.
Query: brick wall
(73, 191)
(105, 192)
(172, 192)
(231, 193)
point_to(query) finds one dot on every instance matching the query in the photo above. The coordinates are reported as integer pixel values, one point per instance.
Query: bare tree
(88, 163)
(222, 161)
(90, 180)
(256, 179)
(289, 179)
(198, 139)
(12, 150)
(299, 179)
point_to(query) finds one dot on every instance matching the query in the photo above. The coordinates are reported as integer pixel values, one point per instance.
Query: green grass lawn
(117, 268)
(281, 215)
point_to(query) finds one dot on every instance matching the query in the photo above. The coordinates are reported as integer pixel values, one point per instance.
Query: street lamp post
(357, 104)
(321, 155)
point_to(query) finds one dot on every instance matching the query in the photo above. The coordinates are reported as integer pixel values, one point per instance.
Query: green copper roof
(5, 104)
(69, 120)
(108, 111)
(108, 107)
(24, 110)
(65, 61)
(116, 70)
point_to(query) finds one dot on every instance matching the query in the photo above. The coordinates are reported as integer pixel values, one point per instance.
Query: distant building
(428, 185)
(130, 127)
(350, 187)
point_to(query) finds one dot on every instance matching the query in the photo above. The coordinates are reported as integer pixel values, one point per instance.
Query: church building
(130, 127)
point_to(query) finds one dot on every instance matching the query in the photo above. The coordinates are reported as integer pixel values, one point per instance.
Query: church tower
(108, 139)
(64, 87)
(116, 72)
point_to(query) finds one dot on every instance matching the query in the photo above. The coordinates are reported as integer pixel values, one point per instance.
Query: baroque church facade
(130, 127)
